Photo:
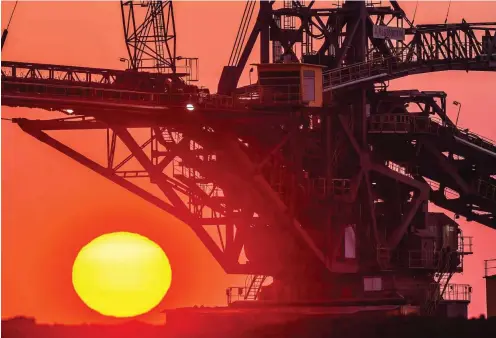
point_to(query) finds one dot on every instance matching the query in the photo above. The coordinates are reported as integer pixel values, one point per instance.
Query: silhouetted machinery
(316, 177)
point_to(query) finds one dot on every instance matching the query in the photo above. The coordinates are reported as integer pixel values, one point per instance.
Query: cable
(6, 30)
(12, 14)
(447, 14)
(415, 12)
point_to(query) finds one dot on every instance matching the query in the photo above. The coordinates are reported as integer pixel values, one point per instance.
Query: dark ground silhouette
(345, 327)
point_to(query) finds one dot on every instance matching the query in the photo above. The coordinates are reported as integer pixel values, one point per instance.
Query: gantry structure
(326, 194)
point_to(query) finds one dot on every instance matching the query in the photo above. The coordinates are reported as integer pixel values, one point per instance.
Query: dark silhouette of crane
(318, 172)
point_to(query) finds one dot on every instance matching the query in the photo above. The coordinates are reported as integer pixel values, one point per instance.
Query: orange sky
(52, 206)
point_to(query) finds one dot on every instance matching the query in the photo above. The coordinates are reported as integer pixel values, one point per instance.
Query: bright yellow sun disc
(121, 274)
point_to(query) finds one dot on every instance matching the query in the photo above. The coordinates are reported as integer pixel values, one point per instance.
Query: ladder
(254, 285)
(276, 45)
(307, 43)
(372, 3)
(160, 35)
(288, 21)
(284, 22)
(441, 278)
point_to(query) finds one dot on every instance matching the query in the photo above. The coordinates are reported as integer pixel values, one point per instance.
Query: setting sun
(121, 274)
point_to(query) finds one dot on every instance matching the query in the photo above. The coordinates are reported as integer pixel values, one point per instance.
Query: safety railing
(465, 245)
(402, 124)
(218, 102)
(441, 292)
(254, 95)
(179, 170)
(82, 75)
(270, 95)
(405, 169)
(339, 77)
(97, 94)
(479, 140)
(251, 290)
(486, 189)
(418, 259)
(489, 267)
(434, 260)
(407, 54)
(408, 123)
(95, 77)
(467, 135)
(324, 187)
(257, 95)
(372, 3)
(475, 139)
(235, 293)
(412, 51)
(457, 292)
(261, 95)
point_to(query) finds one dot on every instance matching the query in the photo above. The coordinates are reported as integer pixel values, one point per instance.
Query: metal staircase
(442, 277)
(254, 284)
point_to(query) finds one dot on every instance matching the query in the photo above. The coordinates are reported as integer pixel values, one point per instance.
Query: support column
(266, 10)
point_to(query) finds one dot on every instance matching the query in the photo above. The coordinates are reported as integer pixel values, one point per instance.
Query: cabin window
(372, 283)
(349, 242)
(308, 85)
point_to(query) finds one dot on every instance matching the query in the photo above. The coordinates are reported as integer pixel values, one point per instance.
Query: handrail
(324, 187)
(85, 76)
(489, 267)
(412, 123)
(353, 72)
(98, 93)
(31, 66)
(457, 292)
(257, 94)
(412, 53)
(418, 259)
(239, 293)
(465, 244)
(249, 292)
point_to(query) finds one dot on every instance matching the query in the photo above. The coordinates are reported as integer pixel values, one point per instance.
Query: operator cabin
(290, 83)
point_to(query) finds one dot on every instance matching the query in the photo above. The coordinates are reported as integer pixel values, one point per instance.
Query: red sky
(52, 206)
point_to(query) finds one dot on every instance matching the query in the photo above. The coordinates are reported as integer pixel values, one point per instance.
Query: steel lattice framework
(286, 183)
(150, 34)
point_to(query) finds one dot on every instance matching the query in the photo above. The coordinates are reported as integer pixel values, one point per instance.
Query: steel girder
(426, 48)
(25, 96)
(459, 166)
(278, 173)
(193, 186)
